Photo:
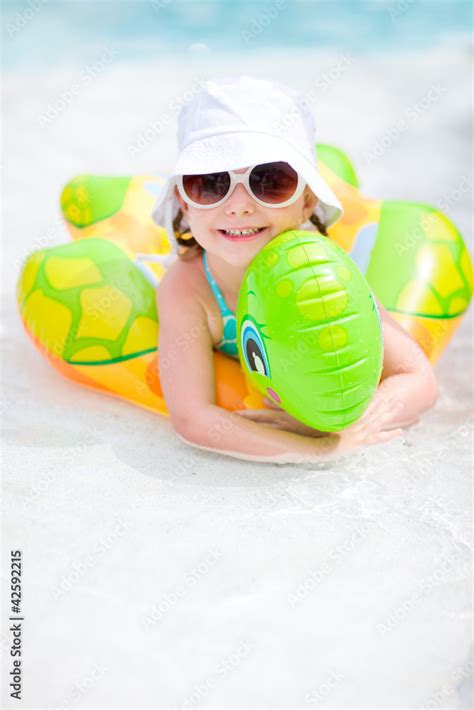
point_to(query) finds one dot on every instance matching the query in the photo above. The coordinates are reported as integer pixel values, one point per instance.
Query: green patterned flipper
(88, 199)
(87, 302)
(419, 264)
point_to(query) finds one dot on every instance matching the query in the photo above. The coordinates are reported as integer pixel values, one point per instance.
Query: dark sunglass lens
(206, 189)
(273, 182)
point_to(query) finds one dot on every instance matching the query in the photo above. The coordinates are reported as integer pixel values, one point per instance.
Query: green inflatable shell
(87, 303)
(309, 329)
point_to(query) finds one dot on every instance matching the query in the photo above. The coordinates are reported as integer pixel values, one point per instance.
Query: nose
(239, 202)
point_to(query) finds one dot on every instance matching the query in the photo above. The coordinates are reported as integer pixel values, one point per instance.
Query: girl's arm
(186, 367)
(407, 374)
(407, 379)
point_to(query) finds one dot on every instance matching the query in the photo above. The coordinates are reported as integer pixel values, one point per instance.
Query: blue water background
(42, 33)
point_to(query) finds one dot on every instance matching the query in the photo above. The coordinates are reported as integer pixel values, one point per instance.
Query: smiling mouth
(242, 234)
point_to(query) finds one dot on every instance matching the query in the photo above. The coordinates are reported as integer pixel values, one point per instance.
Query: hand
(369, 429)
(277, 418)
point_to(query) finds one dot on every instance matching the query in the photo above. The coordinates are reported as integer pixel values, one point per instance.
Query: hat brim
(238, 150)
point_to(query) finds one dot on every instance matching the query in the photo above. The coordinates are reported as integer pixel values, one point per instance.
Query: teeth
(241, 232)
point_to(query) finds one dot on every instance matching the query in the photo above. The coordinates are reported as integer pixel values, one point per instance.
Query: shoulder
(183, 281)
(184, 290)
(183, 295)
(182, 315)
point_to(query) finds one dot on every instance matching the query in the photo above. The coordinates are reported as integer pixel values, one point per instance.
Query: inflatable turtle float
(89, 305)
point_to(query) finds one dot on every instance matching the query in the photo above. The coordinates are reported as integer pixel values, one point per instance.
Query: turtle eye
(253, 349)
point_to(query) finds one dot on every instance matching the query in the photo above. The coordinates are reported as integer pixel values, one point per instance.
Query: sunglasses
(270, 184)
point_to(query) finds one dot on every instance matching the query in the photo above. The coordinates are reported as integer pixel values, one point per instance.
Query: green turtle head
(309, 330)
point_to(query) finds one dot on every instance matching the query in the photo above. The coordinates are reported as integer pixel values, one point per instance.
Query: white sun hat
(237, 121)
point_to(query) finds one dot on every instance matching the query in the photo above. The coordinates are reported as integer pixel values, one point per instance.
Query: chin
(237, 259)
(239, 254)
(243, 257)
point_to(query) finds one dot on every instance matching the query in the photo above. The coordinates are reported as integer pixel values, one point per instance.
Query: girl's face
(240, 211)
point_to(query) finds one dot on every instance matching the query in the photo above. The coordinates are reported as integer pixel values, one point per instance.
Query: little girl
(246, 173)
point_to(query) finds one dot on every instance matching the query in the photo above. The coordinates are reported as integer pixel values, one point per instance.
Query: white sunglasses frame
(235, 179)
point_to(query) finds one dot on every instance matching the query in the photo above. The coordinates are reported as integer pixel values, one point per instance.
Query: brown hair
(193, 248)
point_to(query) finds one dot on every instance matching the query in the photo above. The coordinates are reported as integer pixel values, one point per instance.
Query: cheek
(204, 217)
(199, 220)
(287, 218)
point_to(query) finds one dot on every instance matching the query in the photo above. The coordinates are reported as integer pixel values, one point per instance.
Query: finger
(382, 437)
(389, 402)
(261, 415)
(247, 413)
(370, 418)
(251, 412)
(386, 412)
(380, 410)
(368, 415)
(378, 405)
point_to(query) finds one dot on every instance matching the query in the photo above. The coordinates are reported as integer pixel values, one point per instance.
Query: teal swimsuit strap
(228, 342)
(225, 310)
